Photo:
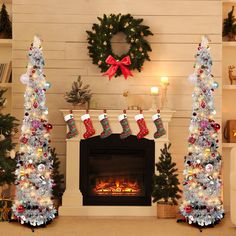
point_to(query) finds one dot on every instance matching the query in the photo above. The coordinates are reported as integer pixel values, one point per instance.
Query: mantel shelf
(229, 87)
(228, 145)
(6, 42)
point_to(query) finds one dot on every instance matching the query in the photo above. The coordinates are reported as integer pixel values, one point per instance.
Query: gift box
(230, 131)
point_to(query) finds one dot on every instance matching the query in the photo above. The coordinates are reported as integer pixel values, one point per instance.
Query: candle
(154, 90)
(165, 80)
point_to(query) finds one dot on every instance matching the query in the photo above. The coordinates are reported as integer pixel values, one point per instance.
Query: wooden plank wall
(177, 26)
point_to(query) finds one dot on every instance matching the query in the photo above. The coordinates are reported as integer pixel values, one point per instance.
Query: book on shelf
(5, 72)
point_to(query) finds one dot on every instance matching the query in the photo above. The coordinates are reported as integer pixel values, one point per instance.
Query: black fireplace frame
(114, 142)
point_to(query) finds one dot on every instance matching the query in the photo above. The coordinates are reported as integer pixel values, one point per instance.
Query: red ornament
(191, 140)
(45, 154)
(188, 209)
(216, 127)
(33, 71)
(203, 104)
(20, 209)
(35, 105)
(48, 127)
(24, 140)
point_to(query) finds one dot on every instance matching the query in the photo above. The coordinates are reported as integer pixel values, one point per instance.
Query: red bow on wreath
(118, 64)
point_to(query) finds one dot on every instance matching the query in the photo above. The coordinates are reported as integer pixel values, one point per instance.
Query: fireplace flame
(117, 187)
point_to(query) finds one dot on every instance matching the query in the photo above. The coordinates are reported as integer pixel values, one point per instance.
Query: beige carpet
(136, 226)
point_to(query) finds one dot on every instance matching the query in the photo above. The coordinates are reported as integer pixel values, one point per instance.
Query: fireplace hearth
(115, 171)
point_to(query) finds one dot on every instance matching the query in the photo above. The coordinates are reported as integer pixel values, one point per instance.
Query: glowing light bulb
(200, 194)
(32, 194)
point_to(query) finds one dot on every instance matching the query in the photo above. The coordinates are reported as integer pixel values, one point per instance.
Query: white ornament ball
(24, 79)
(209, 167)
(191, 218)
(41, 167)
(215, 85)
(192, 78)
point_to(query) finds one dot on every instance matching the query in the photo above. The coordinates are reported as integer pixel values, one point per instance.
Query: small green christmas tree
(165, 189)
(58, 178)
(5, 24)
(229, 26)
(79, 94)
(8, 127)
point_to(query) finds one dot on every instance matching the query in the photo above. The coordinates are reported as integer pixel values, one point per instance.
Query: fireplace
(116, 172)
(91, 193)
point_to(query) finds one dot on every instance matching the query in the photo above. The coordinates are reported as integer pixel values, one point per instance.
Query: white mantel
(72, 198)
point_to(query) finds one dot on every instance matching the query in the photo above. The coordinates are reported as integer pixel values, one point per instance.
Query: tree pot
(231, 37)
(56, 203)
(3, 36)
(84, 106)
(166, 211)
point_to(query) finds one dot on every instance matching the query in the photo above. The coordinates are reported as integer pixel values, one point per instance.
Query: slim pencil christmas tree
(202, 184)
(33, 204)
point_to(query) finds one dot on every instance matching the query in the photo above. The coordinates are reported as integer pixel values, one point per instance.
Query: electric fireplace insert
(116, 171)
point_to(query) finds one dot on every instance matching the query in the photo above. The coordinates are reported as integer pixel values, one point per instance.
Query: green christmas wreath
(100, 50)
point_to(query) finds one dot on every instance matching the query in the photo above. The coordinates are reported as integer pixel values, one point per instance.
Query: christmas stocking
(105, 124)
(142, 126)
(90, 131)
(69, 119)
(159, 125)
(125, 125)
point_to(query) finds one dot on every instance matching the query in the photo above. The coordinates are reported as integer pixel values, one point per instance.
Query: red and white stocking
(106, 126)
(69, 119)
(90, 131)
(142, 126)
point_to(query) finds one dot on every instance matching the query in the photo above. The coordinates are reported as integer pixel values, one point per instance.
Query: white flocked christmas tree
(33, 204)
(202, 204)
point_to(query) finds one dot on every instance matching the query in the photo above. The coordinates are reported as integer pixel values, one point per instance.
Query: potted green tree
(165, 185)
(79, 95)
(5, 24)
(229, 26)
